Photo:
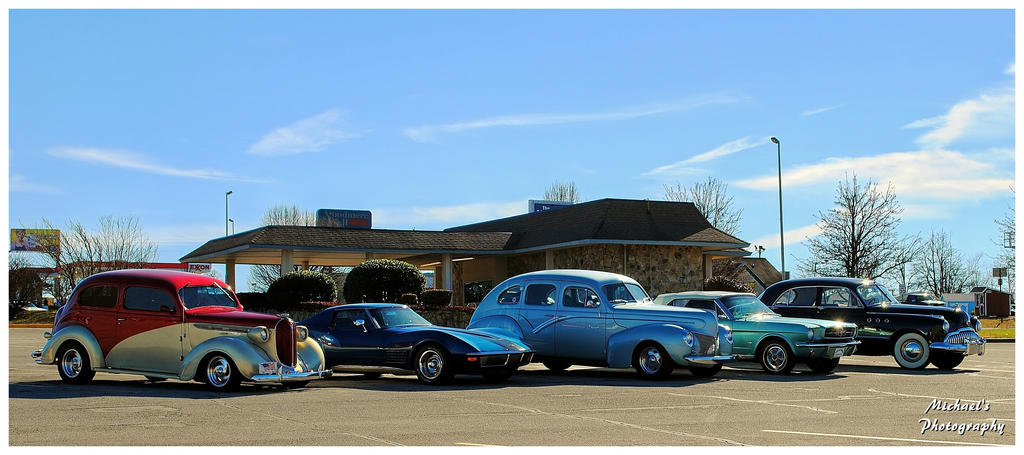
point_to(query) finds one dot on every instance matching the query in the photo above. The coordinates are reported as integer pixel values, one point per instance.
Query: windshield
(746, 305)
(200, 296)
(624, 293)
(875, 294)
(395, 317)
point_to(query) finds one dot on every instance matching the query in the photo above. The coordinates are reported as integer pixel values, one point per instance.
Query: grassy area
(998, 333)
(34, 317)
(996, 323)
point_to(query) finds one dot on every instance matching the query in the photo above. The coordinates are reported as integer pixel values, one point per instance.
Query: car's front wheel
(775, 357)
(73, 364)
(823, 366)
(220, 374)
(911, 351)
(433, 365)
(651, 361)
(946, 360)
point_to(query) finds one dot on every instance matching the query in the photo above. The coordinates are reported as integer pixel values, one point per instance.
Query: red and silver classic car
(175, 325)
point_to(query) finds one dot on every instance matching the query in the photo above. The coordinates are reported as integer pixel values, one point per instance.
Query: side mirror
(593, 302)
(360, 323)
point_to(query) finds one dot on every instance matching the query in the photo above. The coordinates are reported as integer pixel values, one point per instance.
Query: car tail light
(285, 332)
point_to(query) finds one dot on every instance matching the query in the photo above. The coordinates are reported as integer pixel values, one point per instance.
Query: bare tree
(25, 285)
(712, 200)
(261, 276)
(562, 191)
(859, 236)
(941, 269)
(117, 243)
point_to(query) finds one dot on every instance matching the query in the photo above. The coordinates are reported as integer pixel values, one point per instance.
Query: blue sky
(435, 119)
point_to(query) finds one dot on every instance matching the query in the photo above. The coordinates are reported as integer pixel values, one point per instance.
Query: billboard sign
(199, 268)
(41, 240)
(542, 206)
(352, 219)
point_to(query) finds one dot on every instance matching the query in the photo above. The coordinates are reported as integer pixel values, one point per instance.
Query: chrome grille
(840, 332)
(706, 344)
(962, 337)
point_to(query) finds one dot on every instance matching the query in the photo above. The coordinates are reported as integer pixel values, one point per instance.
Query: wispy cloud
(186, 234)
(684, 168)
(820, 110)
(913, 174)
(427, 132)
(311, 134)
(437, 217)
(131, 160)
(1010, 69)
(792, 236)
(986, 116)
(21, 183)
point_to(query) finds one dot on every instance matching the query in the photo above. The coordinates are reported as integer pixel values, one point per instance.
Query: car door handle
(120, 320)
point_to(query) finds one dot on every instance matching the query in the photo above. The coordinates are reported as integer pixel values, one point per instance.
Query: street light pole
(226, 212)
(782, 238)
(232, 226)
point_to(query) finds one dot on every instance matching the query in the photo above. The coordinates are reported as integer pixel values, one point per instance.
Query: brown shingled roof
(608, 219)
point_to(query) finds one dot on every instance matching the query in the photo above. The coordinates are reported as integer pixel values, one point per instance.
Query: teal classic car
(775, 342)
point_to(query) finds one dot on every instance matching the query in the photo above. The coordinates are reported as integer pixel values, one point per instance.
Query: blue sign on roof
(353, 219)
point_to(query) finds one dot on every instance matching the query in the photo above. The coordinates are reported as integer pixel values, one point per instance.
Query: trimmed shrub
(408, 299)
(721, 283)
(304, 286)
(476, 291)
(253, 301)
(382, 280)
(437, 297)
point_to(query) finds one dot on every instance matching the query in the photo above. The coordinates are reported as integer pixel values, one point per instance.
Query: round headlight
(259, 334)
(728, 333)
(810, 334)
(689, 339)
(301, 332)
(945, 325)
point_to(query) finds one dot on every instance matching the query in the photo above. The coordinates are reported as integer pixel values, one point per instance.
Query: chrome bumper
(291, 377)
(964, 341)
(840, 344)
(708, 359)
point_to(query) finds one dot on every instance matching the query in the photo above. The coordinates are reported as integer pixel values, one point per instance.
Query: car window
(148, 299)
(345, 320)
(624, 293)
(706, 305)
(837, 298)
(98, 296)
(677, 302)
(580, 297)
(510, 296)
(540, 294)
(798, 297)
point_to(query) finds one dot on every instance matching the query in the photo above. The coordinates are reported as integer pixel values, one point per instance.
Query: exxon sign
(352, 219)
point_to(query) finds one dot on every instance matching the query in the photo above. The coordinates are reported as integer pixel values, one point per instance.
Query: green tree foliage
(437, 297)
(382, 280)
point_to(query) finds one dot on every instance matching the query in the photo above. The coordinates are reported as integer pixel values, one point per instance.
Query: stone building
(666, 246)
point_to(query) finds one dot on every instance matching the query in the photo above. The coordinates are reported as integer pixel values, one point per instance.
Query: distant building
(757, 273)
(990, 302)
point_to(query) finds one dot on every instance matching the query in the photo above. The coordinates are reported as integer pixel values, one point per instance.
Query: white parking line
(772, 403)
(854, 436)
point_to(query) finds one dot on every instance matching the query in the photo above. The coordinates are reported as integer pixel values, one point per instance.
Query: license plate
(838, 353)
(268, 367)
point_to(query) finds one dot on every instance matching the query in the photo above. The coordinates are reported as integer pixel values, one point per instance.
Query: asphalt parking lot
(868, 401)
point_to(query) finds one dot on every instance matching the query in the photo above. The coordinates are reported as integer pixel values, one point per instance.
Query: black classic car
(376, 338)
(913, 334)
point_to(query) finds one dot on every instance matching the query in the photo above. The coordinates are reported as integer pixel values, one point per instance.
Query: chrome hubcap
(218, 371)
(430, 364)
(775, 357)
(650, 360)
(71, 363)
(912, 350)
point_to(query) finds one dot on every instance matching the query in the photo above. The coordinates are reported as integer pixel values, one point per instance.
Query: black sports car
(376, 338)
(913, 334)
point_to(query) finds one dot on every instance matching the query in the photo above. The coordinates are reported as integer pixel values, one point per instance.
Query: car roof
(704, 294)
(823, 281)
(573, 274)
(172, 277)
(366, 306)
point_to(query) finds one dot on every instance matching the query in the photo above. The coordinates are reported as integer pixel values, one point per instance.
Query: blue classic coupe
(376, 338)
(586, 317)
